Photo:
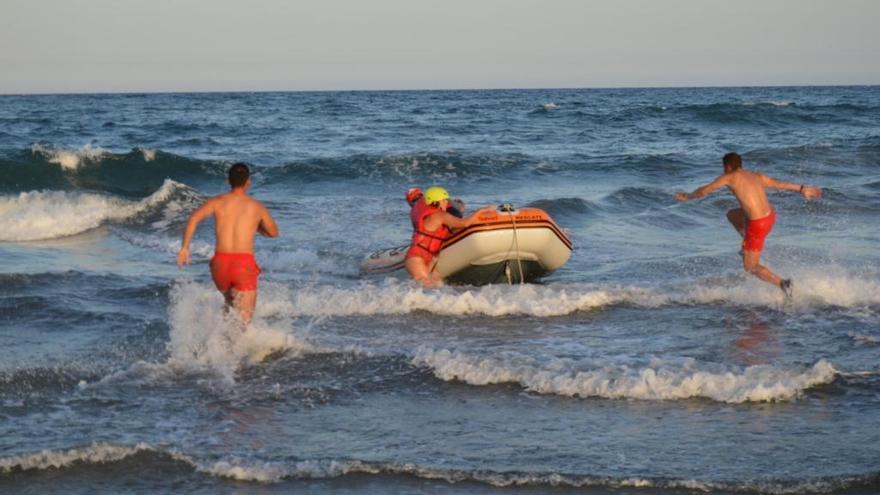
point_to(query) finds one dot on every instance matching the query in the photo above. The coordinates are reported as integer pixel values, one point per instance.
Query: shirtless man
(237, 218)
(755, 217)
(432, 223)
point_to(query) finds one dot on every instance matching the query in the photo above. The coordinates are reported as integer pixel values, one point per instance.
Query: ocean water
(650, 363)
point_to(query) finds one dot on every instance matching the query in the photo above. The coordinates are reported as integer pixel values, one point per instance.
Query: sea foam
(203, 335)
(659, 381)
(92, 454)
(813, 288)
(255, 470)
(71, 159)
(41, 215)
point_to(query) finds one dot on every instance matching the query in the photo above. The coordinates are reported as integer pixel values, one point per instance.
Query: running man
(237, 219)
(755, 217)
(432, 223)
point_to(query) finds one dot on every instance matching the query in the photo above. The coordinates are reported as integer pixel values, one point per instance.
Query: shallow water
(649, 363)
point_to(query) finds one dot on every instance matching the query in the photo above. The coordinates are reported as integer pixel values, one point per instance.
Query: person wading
(431, 225)
(237, 219)
(755, 217)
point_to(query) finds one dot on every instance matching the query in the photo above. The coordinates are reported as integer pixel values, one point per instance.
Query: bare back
(749, 189)
(237, 218)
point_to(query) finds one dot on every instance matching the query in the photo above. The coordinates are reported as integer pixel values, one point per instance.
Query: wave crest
(42, 215)
(814, 288)
(256, 470)
(57, 459)
(70, 159)
(657, 382)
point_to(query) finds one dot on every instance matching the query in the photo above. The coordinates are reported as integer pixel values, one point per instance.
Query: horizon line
(403, 90)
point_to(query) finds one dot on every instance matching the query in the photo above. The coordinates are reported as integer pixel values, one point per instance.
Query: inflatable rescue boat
(504, 246)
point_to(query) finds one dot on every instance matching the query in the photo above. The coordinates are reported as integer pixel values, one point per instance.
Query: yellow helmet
(435, 194)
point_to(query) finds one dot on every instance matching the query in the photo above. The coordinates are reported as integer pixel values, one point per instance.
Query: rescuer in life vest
(456, 206)
(432, 223)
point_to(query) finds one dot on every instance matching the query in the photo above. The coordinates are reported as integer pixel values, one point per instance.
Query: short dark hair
(732, 160)
(239, 174)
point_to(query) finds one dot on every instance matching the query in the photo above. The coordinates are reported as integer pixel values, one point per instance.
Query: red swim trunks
(237, 271)
(757, 230)
(419, 252)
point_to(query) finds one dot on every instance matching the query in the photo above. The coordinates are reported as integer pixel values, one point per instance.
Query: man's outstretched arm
(454, 222)
(809, 192)
(703, 190)
(195, 219)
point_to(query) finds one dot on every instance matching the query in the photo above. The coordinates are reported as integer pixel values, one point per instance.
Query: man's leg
(245, 302)
(752, 264)
(229, 300)
(737, 218)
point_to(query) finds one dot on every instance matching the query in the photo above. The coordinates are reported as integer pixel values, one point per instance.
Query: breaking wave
(133, 174)
(269, 471)
(813, 289)
(659, 381)
(42, 215)
(203, 336)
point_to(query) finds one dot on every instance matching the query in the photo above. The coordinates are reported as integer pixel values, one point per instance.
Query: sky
(86, 46)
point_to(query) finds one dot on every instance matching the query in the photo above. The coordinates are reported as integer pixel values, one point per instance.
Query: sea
(650, 363)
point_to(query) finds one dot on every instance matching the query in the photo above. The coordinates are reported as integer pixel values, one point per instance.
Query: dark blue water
(650, 363)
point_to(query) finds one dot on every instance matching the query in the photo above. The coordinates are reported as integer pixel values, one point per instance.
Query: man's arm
(722, 180)
(195, 219)
(267, 226)
(454, 222)
(809, 192)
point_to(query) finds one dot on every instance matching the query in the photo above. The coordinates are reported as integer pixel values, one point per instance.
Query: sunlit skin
(237, 219)
(749, 188)
(426, 273)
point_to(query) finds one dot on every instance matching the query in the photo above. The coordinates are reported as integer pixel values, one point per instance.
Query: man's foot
(785, 285)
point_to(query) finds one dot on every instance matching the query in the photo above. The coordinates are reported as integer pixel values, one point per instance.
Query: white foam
(40, 215)
(825, 286)
(203, 336)
(775, 103)
(659, 381)
(94, 454)
(268, 472)
(550, 106)
(272, 472)
(400, 298)
(864, 339)
(148, 154)
(70, 159)
(817, 288)
(237, 470)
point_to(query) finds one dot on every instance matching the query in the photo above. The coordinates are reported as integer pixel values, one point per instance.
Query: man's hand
(811, 192)
(182, 257)
(681, 196)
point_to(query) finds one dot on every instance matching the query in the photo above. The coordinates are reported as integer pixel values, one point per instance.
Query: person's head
(732, 162)
(413, 195)
(239, 175)
(437, 197)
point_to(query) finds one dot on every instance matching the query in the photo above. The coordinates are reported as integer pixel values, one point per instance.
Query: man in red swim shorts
(237, 219)
(755, 217)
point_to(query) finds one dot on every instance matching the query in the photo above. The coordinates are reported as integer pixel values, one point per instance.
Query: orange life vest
(430, 241)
